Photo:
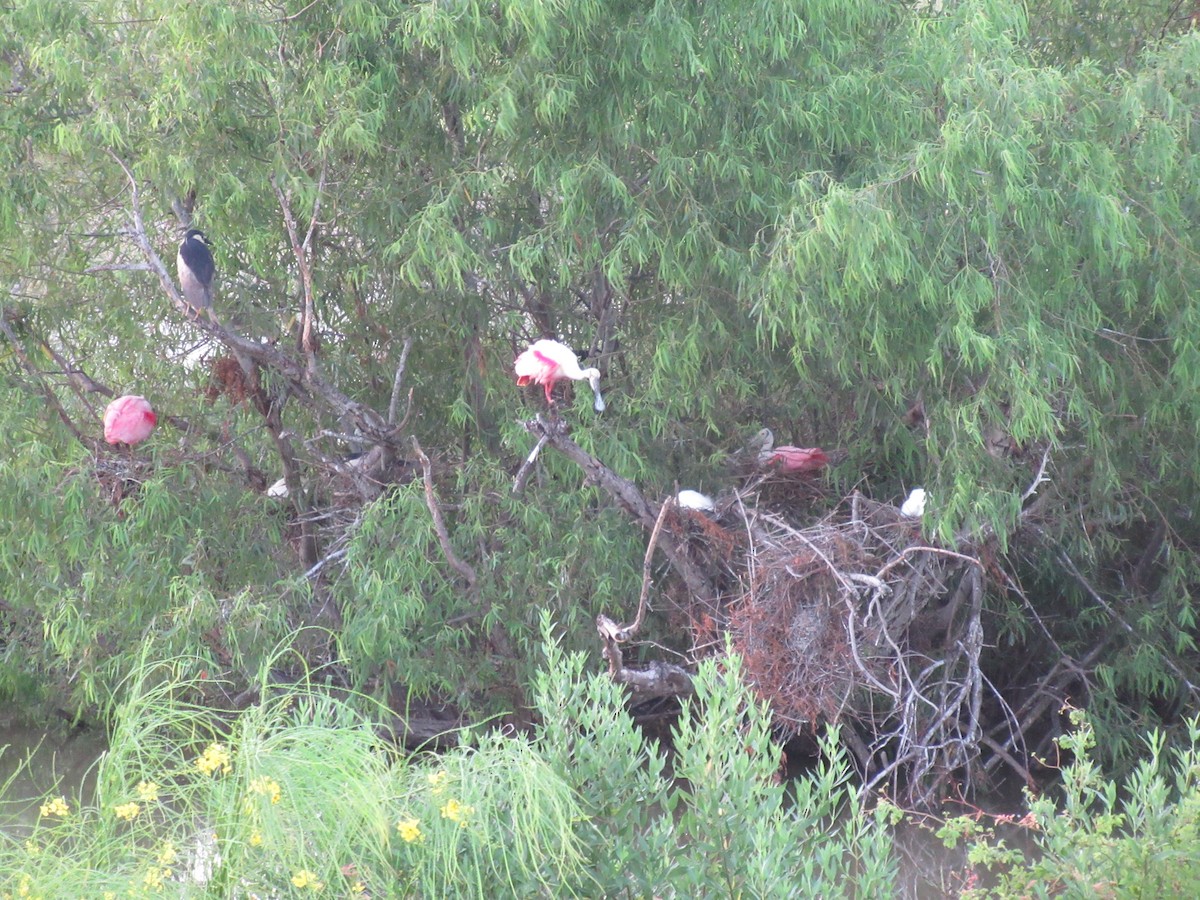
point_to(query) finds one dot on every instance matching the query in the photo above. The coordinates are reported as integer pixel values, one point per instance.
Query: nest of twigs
(856, 619)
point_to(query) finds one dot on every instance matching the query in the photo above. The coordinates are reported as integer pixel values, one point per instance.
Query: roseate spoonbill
(688, 499)
(129, 420)
(196, 269)
(792, 460)
(914, 506)
(546, 362)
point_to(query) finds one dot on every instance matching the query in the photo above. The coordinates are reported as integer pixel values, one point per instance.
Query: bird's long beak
(595, 383)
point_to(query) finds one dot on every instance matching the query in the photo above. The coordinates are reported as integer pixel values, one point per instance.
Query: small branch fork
(658, 679)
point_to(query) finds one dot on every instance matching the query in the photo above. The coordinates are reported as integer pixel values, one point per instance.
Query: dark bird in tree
(196, 271)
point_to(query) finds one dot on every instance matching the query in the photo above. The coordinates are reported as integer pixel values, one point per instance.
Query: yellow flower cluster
(410, 830)
(215, 758)
(457, 812)
(56, 807)
(127, 811)
(256, 838)
(437, 781)
(267, 786)
(155, 877)
(147, 791)
(167, 854)
(306, 879)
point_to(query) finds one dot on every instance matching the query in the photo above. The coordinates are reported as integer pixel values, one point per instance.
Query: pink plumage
(129, 420)
(546, 362)
(795, 459)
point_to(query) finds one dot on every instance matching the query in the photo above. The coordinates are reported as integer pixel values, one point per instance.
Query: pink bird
(791, 460)
(129, 420)
(545, 362)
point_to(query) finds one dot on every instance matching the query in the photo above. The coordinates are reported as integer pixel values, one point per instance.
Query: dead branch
(396, 384)
(630, 631)
(657, 679)
(303, 251)
(629, 498)
(439, 524)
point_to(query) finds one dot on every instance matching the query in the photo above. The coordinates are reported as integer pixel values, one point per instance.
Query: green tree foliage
(939, 239)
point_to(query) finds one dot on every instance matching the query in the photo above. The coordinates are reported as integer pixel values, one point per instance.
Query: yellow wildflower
(167, 854)
(127, 811)
(457, 812)
(56, 807)
(358, 888)
(147, 791)
(109, 895)
(268, 786)
(410, 830)
(215, 757)
(32, 848)
(155, 877)
(256, 838)
(306, 879)
(437, 781)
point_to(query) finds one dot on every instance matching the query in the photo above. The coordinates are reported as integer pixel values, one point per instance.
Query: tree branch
(439, 524)
(629, 498)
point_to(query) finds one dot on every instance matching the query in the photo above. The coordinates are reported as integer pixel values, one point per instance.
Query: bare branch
(439, 524)
(397, 382)
(1038, 479)
(627, 496)
(630, 631)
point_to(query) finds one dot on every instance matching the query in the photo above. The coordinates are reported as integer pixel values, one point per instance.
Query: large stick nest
(855, 620)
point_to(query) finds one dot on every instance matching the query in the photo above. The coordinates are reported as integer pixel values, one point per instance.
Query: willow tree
(921, 238)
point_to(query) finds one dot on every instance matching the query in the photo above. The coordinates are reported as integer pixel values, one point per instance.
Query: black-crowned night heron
(196, 270)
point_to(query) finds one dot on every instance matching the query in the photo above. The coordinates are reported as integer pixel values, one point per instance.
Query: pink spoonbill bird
(793, 460)
(546, 362)
(129, 420)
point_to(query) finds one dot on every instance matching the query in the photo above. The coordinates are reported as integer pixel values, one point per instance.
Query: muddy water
(37, 764)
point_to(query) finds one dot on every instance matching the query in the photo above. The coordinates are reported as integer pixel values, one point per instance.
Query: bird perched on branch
(129, 420)
(196, 269)
(546, 362)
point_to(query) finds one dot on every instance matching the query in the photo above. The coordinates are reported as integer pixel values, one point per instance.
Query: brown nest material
(856, 620)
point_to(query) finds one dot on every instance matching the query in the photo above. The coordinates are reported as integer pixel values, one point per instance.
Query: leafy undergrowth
(297, 796)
